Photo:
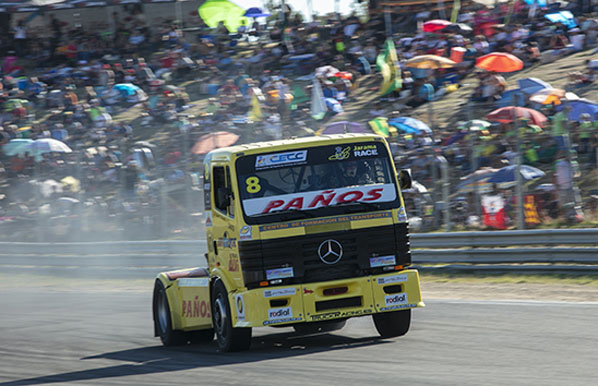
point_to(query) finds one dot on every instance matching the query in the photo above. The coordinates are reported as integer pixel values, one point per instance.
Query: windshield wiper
(357, 205)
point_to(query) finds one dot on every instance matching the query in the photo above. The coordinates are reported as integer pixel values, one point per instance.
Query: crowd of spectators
(68, 82)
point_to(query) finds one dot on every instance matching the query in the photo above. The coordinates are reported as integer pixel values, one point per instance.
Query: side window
(207, 188)
(229, 187)
(221, 185)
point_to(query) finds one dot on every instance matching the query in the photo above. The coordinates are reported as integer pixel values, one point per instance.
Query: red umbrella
(435, 25)
(499, 62)
(209, 142)
(510, 113)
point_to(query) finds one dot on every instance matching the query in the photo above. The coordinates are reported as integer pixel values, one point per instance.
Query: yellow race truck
(303, 232)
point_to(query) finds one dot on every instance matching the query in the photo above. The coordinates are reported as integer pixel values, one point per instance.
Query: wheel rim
(220, 316)
(162, 312)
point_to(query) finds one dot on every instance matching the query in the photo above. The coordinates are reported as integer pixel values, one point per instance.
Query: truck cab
(302, 232)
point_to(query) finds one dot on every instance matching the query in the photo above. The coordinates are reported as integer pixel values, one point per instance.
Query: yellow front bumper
(328, 300)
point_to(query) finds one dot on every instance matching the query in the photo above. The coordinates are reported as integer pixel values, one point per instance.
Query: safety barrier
(544, 250)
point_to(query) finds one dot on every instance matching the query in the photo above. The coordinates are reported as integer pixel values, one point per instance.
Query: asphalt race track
(103, 336)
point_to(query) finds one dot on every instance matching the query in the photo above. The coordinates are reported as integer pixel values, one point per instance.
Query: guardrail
(544, 250)
(562, 250)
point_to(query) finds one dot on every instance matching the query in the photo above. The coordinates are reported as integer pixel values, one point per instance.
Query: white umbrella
(48, 145)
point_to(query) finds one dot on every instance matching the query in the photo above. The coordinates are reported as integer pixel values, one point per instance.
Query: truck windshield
(315, 182)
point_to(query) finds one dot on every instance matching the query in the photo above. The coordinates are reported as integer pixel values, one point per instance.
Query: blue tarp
(564, 17)
(511, 98)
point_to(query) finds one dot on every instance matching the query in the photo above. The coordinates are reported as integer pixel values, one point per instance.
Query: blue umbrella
(480, 178)
(581, 106)
(532, 85)
(541, 3)
(506, 176)
(16, 146)
(126, 89)
(256, 12)
(409, 125)
(564, 17)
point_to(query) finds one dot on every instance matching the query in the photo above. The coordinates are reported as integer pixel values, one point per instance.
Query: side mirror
(404, 179)
(222, 198)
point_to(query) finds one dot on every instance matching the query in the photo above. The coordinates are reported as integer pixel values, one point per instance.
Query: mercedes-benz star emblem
(330, 251)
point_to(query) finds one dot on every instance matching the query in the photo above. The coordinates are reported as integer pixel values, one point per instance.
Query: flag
(456, 9)
(318, 106)
(387, 63)
(256, 110)
(530, 211)
(493, 209)
(381, 127)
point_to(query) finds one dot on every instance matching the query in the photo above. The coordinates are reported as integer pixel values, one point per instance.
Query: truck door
(224, 232)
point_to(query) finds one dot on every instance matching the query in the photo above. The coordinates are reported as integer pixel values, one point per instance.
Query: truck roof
(291, 143)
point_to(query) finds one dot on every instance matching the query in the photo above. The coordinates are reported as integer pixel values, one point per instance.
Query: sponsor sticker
(320, 198)
(280, 313)
(240, 305)
(279, 292)
(396, 299)
(398, 306)
(340, 153)
(287, 320)
(382, 261)
(365, 150)
(246, 233)
(279, 273)
(392, 279)
(402, 215)
(193, 282)
(338, 314)
(208, 219)
(325, 221)
(280, 159)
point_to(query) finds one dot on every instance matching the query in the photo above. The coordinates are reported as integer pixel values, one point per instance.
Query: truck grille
(301, 253)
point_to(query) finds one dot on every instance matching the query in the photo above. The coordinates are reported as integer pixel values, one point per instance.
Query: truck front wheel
(392, 324)
(228, 337)
(163, 323)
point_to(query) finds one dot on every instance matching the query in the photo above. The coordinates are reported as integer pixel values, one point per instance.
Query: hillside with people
(104, 127)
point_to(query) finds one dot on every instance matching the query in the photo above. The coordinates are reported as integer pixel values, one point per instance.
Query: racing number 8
(253, 185)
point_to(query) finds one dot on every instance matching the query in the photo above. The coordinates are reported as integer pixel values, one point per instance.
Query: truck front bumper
(338, 299)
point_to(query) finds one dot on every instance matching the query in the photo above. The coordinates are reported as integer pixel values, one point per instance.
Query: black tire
(228, 338)
(392, 324)
(162, 319)
(319, 327)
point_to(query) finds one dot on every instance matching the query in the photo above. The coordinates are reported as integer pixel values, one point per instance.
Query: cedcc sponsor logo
(395, 299)
(280, 313)
(272, 160)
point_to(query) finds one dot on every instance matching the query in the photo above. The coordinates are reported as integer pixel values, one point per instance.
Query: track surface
(103, 336)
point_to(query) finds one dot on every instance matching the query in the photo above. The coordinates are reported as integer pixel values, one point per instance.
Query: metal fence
(537, 250)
